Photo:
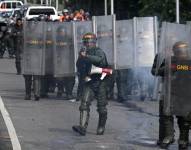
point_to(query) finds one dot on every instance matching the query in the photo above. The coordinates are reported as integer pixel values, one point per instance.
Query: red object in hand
(107, 71)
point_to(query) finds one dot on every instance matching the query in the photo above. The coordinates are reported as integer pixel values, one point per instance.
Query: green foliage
(165, 10)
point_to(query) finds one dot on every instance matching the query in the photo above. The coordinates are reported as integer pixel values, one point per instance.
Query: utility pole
(105, 7)
(57, 5)
(112, 7)
(177, 12)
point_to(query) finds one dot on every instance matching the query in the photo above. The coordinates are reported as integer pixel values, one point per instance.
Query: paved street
(46, 124)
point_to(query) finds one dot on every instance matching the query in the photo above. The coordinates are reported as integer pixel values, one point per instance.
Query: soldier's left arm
(98, 59)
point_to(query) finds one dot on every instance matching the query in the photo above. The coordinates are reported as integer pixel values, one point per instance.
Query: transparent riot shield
(49, 47)
(33, 52)
(145, 40)
(124, 44)
(64, 56)
(177, 69)
(105, 36)
(80, 29)
(144, 52)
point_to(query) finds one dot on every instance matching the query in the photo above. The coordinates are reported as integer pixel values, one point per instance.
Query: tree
(165, 10)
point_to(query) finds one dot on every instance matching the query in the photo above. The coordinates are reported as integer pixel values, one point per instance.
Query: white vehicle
(36, 11)
(6, 6)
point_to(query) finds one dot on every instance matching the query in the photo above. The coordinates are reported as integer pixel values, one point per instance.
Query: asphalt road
(47, 124)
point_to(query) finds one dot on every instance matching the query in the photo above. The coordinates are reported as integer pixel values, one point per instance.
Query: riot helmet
(89, 40)
(180, 49)
(65, 11)
(61, 31)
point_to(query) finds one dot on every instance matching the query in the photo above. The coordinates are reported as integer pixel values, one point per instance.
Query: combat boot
(184, 137)
(27, 97)
(81, 130)
(59, 94)
(84, 118)
(69, 97)
(101, 124)
(36, 98)
(168, 133)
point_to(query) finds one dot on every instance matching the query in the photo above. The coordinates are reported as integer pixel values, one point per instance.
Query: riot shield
(144, 52)
(32, 58)
(176, 80)
(180, 82)
(49, 47)
(105, 36)
(80, 29)
(64, 56)
(144, 41)
(124, 44)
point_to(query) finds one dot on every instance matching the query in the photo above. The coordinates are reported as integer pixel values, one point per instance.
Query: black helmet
(180, 48)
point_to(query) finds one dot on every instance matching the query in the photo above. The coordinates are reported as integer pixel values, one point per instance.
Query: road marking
(11, 130)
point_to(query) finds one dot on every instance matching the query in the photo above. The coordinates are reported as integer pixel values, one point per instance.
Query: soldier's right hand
(82, 52)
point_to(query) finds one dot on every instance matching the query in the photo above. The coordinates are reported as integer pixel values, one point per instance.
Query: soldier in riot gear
(32, 77)
(17, 33)
(166, 122)
(180, 50)
(66, 83)
(92, 56)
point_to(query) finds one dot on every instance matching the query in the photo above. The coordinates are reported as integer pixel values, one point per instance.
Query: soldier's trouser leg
(18, 64)
(184, 126)
(84, 111)
(81, 83)
(120, 87)
(36, 84)
(110, 87)
(28, 84)
(10, 47)
(59, 82)
(51, 83)
(101, 108)
(166, 128)
(69, 85)
(43, 86)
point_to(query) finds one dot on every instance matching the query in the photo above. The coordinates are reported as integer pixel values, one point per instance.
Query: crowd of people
(78, 15)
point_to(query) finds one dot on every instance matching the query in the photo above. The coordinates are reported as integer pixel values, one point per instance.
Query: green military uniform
(93, 88)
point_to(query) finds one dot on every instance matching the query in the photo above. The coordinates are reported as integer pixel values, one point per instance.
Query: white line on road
(11, 130)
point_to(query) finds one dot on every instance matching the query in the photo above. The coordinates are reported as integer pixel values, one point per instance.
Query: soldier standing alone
(95, 87)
